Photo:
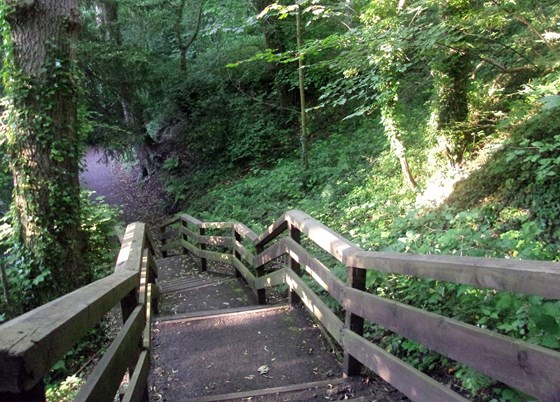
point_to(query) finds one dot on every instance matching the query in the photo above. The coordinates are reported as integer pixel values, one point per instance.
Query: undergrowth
(506, 209)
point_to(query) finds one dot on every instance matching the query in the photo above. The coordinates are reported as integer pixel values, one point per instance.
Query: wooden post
(35, 394)
(356, 279)
(202, 247)
(236, 237)
(261, 293)
(163, 241)
(184, 237)
(295, 234)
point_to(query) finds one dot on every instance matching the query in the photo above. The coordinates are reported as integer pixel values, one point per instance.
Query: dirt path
(138, 201)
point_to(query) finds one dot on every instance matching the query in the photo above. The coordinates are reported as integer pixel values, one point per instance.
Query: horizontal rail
(530, 368)
(33, 342)
(109, 371)
(411, 382)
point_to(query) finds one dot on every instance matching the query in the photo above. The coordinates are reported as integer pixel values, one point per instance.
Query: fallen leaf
(264, 369)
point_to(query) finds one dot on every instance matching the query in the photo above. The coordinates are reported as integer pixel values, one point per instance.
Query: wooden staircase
(32, 343)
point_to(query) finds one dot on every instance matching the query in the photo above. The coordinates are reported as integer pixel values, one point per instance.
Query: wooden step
(202, 315)
(268, 392)
(184, 284)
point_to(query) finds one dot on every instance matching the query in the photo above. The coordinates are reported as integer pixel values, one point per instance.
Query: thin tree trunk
(183, 44)
(304, 137)
(397, 146)
(43, 141)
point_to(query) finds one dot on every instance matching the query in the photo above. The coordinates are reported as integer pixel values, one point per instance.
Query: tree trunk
(397, 146)
(183, 44)
(303, 136)
(43, 142)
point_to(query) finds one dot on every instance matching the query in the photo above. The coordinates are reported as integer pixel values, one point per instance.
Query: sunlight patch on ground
(442, 183)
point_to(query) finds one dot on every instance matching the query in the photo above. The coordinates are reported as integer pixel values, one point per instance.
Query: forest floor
(138, 200)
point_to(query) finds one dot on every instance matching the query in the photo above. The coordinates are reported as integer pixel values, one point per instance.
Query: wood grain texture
(31, 343)
(528, 367)
(136, 389)
(273, 279)
(104, 381)
(243, 252)
(315, 305)
(245, 232)
(541, 278)
(411, 382)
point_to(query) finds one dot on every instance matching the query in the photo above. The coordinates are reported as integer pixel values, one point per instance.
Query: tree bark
(43, 144)
(304, 137)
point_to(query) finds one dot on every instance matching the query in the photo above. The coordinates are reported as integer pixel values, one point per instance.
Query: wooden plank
(186, 231)
(215, 256)
(137, 386)
(244, 271)
(216, 241)
(191, 247)
(411, 382)
(142, 289)
(103, 382)
(217, 225)
(246, 254)
(147, 334)
(245, 232)
(276, 250)
(31, 343)
(210, 314)
(356, 278)
(272, 231)
(315, 305)
(171, 221)
(130, 255)
(322, 274)
(273, 279)
(192, 220)
(530, 368)
(271, 392)
(323, 236)
(540, 278)
(153, 266)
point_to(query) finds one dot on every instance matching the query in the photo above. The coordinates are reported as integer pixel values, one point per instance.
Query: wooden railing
(33, 342)
(527, 367)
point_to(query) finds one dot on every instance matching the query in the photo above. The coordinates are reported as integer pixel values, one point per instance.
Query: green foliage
(98, 223)
(64, 391)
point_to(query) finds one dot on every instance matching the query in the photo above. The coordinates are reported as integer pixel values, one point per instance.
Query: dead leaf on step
(264, 369)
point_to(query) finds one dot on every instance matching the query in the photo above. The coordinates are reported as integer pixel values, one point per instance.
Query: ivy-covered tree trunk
(43, 143)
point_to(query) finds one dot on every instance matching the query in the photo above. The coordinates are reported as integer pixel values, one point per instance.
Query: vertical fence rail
(355, 323)
(202, 248)
(261, 293)
(184, 236)
(295, 235)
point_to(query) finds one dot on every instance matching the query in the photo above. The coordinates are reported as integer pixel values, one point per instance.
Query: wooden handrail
(33, 342)
(530, 368)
